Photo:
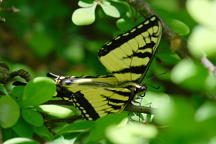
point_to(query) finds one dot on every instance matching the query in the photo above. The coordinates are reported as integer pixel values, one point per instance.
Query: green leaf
(110, 10)
(206, 111)
(20, 141)
(74, 52)
(17, 93)
(202, 42)
(57, 111)
(43, 132)
(37, 91)
(208, 14)
(78, 126)
(179, 27)
(84, 4)
(84, 16)
(23, 129)
(131, 133)
(41, 43)
(9, 111)
(32, 117)
(98, 132)
(190, 75)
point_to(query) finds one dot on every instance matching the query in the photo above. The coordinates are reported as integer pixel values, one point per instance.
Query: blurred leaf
(132, 133)
(210, 85)
(162, 103)
(190, 75)
(98, 132)
(168, 5)
(179, 27)
(206, 111)
(78, 126)
(32, 117)
(37, 91)
(41, 43)
(57, 111)
(208, 14)
(74, 52)
(202, 42)
(84, 16)
(9, 111)
(20, 141)
(62, 140)
(110, 10)
(23, 129)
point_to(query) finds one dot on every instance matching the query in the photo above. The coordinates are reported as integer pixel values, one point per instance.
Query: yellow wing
(129, 55)
(95, 97)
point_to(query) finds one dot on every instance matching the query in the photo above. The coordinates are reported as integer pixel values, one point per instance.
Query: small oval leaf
(84, 16)
(85, 4)
(9, 111)
(37, 91)
(179, 27)
(32, 117)
(110, 10)
(20, 140)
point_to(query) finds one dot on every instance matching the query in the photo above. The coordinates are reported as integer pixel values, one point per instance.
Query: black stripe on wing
(118, 42)
(132, 69)
(84, 106)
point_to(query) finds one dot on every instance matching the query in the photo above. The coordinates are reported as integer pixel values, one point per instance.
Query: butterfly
(128, 57)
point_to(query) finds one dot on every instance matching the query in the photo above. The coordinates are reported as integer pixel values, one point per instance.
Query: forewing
(129, 55)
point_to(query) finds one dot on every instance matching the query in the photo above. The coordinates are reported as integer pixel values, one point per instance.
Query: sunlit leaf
(190, 75)
(82, 3)
(20, 140)
(110, 10)
(131, 133)
(84, 16)
(101, 124)
(202, 42)
(57, 111)
(208, 14)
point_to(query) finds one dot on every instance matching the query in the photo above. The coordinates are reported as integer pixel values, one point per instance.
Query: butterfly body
(127, 57)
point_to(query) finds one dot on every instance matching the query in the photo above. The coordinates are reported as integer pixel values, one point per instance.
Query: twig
(140, 109)
(209, 65)
(177, 43)
(12, 9)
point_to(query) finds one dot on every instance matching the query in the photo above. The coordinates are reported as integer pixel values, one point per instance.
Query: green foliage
(38, 91)
(86, 14)
(201, 41)
(42, 38)
(9, 111)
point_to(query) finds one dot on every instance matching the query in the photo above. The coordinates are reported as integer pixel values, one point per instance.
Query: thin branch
(140, 109)
(12, 9)
(209, 65)
(178, 43)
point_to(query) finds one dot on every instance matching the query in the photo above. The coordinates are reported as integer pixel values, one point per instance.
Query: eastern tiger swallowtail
(127, 57)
